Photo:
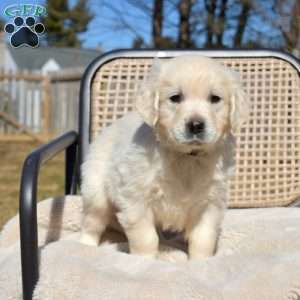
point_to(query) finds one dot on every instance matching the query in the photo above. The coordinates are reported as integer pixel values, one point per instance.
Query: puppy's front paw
(88, 240)
(199, 255)
(145, 254)
(143, 241)
(144, 246)
(201, 250)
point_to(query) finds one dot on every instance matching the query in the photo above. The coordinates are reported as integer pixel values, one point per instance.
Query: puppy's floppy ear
(239, 105)
(147, 102)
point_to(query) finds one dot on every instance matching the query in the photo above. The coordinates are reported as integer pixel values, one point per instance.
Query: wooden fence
(44, 105)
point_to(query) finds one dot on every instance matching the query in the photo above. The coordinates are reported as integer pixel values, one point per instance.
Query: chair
(268, 146)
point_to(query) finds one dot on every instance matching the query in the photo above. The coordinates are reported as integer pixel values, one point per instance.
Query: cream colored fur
(150, 172)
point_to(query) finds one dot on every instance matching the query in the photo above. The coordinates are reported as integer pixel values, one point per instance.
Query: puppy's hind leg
(95, 220)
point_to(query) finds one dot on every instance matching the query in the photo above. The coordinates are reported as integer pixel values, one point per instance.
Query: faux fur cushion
(258, 257)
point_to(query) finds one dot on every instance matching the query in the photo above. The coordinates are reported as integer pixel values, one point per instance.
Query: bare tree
(283, 17)
(242, 23)
(291, 32)
(211, 6)
(208, 23)
(216, 20)
(220, 28)
(157, 22)
(184, 32)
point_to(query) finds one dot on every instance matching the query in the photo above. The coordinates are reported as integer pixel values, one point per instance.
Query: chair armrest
(28, 202)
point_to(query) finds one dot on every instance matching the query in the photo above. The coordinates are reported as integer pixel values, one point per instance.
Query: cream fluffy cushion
(258, 258)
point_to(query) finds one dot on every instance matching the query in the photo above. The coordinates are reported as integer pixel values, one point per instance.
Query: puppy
(169, 165)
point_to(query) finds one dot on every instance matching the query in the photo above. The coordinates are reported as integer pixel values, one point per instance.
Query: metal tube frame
(28, 202)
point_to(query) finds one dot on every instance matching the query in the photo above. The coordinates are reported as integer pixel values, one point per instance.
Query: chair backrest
(268, 146)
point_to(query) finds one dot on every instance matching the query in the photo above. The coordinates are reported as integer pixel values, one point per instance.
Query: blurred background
(39, 86)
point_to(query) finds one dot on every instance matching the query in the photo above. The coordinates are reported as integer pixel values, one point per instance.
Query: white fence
(41, 103)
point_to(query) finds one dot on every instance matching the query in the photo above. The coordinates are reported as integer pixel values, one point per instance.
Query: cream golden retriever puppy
(168, 165)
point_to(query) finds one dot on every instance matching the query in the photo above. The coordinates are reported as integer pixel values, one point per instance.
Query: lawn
(12, 155)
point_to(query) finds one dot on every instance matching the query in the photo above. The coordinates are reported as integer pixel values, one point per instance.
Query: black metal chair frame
(75, 145)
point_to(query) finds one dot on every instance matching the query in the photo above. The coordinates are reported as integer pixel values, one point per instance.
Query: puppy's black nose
(196, 126)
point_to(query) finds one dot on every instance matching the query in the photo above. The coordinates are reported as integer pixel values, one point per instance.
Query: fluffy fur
(149, 171)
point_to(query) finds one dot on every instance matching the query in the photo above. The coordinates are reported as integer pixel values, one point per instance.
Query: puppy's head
(192, 102)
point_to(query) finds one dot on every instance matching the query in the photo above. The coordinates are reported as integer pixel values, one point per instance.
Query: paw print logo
(24, 33)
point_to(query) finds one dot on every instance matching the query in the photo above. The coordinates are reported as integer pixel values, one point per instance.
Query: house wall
(9, 63)
(6, 61)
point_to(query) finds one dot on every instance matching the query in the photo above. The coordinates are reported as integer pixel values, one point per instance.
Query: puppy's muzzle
(195, 126)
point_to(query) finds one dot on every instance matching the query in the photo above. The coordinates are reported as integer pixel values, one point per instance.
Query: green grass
(12, 156)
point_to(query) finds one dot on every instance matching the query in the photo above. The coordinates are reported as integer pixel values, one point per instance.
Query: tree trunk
(292, 36)
(157, 22)
(210, 6)
(242, 22)
(184, 34)
(221, 24)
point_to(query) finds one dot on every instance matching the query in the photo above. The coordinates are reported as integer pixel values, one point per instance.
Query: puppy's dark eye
(177, 98)
(215, 99)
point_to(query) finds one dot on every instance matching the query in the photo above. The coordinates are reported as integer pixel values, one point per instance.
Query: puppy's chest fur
(176, 188)
(180, 191)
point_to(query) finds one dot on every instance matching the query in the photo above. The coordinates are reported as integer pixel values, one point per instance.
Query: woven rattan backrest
(268, 146)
